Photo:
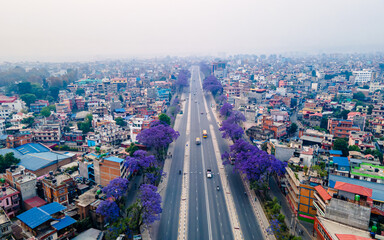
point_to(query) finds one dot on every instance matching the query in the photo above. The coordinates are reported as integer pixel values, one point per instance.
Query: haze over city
(87, 30)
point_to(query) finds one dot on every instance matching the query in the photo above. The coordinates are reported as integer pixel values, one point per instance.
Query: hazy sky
(88, 29)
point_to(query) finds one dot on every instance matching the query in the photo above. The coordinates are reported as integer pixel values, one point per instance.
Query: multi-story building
(9, 200)
(112, 134)
(339, 166)
(368, 172)
(361, 139)
(63, 107)
(47, 222)
(19, 138)
(108, 169)
(37, 106)
(341, 128)
(5, 226)
(362, 77)
(136, 125)
(59, 188)
(80, 103)
(22, 180)
(10, 105)
(87, 204)
(47, 133)
(278, 128)
(300, 194)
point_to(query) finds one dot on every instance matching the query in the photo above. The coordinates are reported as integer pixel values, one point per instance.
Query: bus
(205, 134)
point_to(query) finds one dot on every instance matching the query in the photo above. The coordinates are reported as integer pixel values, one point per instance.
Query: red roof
(352, 188)
(323, 193)
(350, 237)
(35, 202)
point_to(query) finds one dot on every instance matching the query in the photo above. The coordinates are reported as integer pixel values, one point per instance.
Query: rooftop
(369, 170)
(115, 159)
(352, 188)
(323, 193)
(341, 161)
(335, 229)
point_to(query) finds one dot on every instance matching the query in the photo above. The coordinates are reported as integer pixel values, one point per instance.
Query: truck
(209, 173)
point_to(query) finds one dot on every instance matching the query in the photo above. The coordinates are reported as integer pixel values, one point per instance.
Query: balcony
(320, 211)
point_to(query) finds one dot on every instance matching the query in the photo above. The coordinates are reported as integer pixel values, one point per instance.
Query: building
(361, 139)
(50, 133)
(339, 166)
(136, 125)
(22, 180)
(38, 159)
(279, 129)
(340, 128)
(108, 169)
(37, 106)
(368, 172)
(5, 226)
(9, 200)
(86, 170)
(10, 105)
(300, 194)
(259, 134)
(362, 77)
(312, 137)
(47, 222)
(59, 188)
(87, 204)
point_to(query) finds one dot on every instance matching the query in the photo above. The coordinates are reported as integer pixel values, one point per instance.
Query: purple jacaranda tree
(255, 163)
(109, 210)
(141, 161)
(226, 110)
(183, 79)
(231, 130)
(150, 201)
(211, 84)
(236, 117)
(116, 188)
(221, 99)
(158, 137)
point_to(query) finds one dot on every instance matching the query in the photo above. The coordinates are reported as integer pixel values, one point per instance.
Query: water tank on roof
(357, 197)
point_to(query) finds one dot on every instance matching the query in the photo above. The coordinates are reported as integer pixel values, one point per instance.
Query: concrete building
(37, 106)
(108, 169)
(50, 133)
(87, 204)
(9, 200)
(340, 128)
(5, 226)
(362, 77)
(59, 188)
(22, 180)
(361, 139)
(10, 105)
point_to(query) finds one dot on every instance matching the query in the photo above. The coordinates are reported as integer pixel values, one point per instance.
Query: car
(209, 173)
(198, 141)
(202, 113)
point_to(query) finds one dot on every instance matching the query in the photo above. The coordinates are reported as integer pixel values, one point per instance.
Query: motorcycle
(179, 172)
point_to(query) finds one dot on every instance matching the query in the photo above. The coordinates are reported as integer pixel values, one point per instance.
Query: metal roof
(53, 208)
(115, 159)
(63, 223)
(34, 217)
(341, 161)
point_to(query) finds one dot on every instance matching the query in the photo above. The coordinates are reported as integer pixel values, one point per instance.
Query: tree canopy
(342, 145)
(7, 160)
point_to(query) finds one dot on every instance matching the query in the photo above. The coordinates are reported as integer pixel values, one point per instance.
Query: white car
(209, 173)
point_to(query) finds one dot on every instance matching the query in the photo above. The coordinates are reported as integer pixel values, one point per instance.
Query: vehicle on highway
(205, 134)
(202, 113)
(218, 188)
(180, 172)
(198, 141)
(209, 173)
(232, 160)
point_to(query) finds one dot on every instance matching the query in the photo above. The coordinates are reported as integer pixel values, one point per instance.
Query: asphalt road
(207, 212)
(248, 222)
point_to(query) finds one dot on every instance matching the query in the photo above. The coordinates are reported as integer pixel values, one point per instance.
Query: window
(62, 199)
(61, 191)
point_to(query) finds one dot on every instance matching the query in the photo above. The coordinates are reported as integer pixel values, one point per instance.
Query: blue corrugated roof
(53, 208)
(32, 148)
(120, 110)
(341, 161)
(377, 188)
(34, 156)
(64, 222)
(115, 159)
(335, 152)
(34, 217)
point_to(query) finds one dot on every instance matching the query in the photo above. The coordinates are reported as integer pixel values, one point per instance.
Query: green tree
(52, 108)
(342, 145)
(29, 121)
(7, 160)
(80, 91)
(354, 148)
(120, 121)
(292, 129)
(370, 108)
(165, 118)
(86, 126)
(46, 112)
(359, 96)
(28, 98)
(132, 149)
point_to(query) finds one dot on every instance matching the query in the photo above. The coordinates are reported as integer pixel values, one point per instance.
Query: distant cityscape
(237, 147)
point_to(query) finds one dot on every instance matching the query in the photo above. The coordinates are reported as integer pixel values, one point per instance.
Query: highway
(207, 211)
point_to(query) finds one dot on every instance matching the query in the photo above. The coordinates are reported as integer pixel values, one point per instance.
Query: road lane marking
(206, 198)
